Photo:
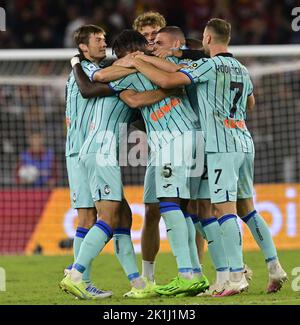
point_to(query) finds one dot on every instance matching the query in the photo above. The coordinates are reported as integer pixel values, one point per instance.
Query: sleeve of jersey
(198, 71)
(132, 81)
(119, 85)
(250, 88)
(90, 69)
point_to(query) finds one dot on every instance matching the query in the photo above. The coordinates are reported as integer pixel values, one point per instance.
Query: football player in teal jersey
(104, 187)
(225, 92)
(149, 24)
(173, 115)
(90, 40)
(167, 38)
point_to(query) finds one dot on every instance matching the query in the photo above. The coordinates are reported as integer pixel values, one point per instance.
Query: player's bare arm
(160, 63)
(140, 99)
(112, 73)
(88, 88)
(250, 102)
(161, 78)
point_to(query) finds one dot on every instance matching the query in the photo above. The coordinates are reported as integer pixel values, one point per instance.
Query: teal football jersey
(111, 117)
(191, 90)
(79, 112)
(164, 120)
(223, 85)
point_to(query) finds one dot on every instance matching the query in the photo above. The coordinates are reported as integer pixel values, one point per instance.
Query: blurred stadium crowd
(50, 23)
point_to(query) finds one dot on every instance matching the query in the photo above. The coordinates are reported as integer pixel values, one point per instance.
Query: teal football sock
(192, 244)
(78, 239)
(125, 252)
(262, 235)
(232, 240)
(93, 243)
(177, 233)
(216, 249)
(198, 225)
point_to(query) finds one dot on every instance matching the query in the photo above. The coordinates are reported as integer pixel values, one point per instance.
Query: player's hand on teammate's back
(163, 53)
(134, 54)
(125, 62)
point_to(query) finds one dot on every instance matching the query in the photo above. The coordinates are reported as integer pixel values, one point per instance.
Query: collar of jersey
(225, 54)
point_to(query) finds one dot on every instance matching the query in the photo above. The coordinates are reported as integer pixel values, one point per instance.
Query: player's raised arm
(89, 89)
(136, 99)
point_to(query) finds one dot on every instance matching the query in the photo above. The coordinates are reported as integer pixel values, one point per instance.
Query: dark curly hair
(129, 41)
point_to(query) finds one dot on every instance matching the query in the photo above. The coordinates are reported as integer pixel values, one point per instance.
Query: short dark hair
(221, 29)
(174, 30)
(150, 18)
(129, 41)
(82, 34)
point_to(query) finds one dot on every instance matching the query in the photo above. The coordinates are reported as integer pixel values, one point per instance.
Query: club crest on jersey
(106, 189)
(74, 197)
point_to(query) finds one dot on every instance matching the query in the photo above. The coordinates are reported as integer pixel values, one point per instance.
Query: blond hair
(150, 18)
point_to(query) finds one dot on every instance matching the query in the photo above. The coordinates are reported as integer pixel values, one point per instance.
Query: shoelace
(93, 289)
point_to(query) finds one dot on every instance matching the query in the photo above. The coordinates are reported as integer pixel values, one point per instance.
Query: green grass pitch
(34, 281)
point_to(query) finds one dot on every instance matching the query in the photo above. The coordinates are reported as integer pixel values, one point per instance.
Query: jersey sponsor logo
(232, 124)
(162, 111)
(167, 185)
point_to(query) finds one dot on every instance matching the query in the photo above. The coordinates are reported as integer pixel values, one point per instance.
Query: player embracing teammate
(222, 93)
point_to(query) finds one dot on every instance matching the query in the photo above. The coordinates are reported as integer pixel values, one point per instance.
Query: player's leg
(178, 237)
(86, 219)
(172, 185)
(150, 232)
(197, 269)
(211, 231)
(124, 251)
(107, 191)
(81, 200)
(223, 172)
(194, 164)
(203, 283)
(192, 211)
(150, 240)
(209, 228)
(257, 225)
(107, 197)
